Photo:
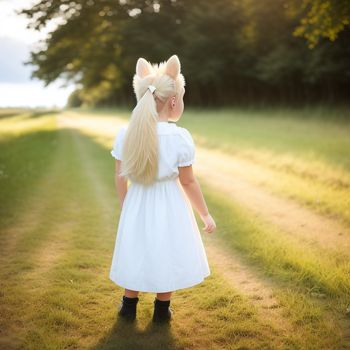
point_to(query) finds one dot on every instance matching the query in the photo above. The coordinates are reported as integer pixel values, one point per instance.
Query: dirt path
(294, 220)
(249, 282)
(242, 278)
(300, 222)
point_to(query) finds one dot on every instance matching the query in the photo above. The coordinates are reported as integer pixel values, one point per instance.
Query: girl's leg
(164, 296)
(131, 293)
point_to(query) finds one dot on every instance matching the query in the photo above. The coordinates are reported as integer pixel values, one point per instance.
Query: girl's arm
(192, 188)
(121, 183)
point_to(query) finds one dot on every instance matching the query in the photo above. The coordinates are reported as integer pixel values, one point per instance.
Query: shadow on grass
(125, 335)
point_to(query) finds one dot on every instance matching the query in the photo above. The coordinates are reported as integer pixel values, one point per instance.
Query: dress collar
(165, 127)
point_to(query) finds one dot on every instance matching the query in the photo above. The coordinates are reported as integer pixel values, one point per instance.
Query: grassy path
(56, 246)
(63, 262)
(292, 254)
(314, 235)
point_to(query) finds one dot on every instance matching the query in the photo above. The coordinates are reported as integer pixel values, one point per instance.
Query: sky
(17, 89)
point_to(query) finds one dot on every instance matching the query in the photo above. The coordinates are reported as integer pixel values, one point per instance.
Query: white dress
(159, 247)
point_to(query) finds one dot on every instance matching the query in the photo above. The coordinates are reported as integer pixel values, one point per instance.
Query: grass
(63, 262)
(302, 154)
(306, 268)
(298, 153)
(58, 215)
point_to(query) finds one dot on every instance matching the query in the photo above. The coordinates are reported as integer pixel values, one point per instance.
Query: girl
(158, 246)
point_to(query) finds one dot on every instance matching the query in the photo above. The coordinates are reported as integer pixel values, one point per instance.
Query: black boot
(162, 311)
(127, 309)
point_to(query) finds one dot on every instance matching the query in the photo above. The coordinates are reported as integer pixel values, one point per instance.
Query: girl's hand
(209, 222)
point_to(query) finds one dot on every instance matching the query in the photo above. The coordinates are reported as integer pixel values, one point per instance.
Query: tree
(322, 18)
(231, 50)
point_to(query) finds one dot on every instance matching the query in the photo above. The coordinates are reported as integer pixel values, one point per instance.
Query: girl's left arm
(121, 183)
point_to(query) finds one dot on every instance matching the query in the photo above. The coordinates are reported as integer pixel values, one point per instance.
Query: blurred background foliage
(232, 51)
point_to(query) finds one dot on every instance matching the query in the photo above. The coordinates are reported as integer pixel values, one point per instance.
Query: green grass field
(278, 281)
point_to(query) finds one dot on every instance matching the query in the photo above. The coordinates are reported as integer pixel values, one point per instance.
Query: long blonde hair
(140, 147)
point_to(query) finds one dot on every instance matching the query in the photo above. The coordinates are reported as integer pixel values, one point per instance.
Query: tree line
(231, 51)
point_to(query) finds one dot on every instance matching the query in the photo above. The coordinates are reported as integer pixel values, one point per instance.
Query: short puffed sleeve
(186, 149)
(116, 151)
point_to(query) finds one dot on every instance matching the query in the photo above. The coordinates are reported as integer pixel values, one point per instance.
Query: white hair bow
(151, 88)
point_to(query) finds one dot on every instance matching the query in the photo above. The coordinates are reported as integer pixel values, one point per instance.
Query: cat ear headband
(171, 67)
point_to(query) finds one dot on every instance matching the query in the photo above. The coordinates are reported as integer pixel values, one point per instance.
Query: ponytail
(140, 148)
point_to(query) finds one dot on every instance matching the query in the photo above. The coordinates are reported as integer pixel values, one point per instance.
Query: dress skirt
(158, 247)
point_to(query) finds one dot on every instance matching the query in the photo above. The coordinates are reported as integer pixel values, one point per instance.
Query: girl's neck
(162, 117)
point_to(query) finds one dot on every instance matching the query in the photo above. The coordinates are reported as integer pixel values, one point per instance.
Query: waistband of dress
(166, 180)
